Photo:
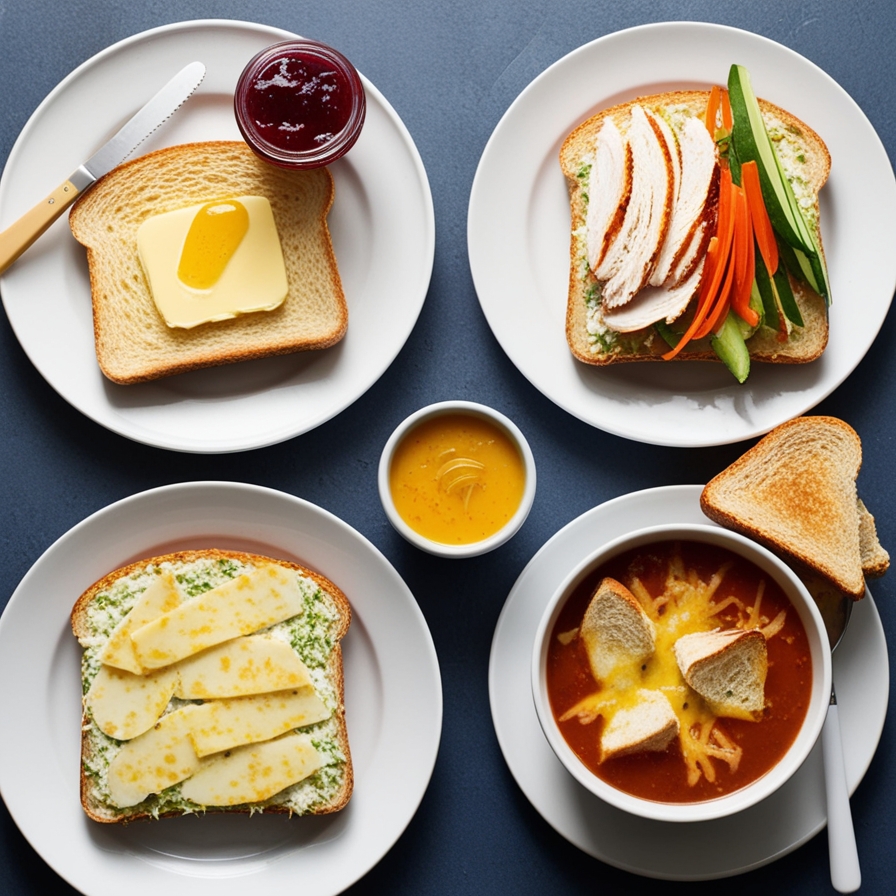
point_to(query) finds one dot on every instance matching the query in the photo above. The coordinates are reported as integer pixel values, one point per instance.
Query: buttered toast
(133, 342)
(212, 682)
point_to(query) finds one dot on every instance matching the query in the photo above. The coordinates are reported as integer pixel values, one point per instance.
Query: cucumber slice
(751, 141)
(729, 345)
(786, 300)
(763, 284)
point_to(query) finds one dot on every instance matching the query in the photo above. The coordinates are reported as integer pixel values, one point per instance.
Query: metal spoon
(846, 875)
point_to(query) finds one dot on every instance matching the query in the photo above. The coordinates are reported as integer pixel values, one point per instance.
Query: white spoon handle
(846, 876)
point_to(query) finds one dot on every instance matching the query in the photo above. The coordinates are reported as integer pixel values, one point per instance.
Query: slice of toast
(615, 629)
(727, 668)
(133, 342)
(795, 492)
(805, 159)
(314, 634)
(648, 727)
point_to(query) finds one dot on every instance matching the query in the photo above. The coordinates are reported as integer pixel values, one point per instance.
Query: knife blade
(21, 234)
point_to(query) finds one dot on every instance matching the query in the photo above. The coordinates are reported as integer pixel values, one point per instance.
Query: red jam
(300, 104)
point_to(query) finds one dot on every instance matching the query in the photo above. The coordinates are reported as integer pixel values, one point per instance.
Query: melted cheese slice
(254, 278)
(252, 773)
(160, 758)
(160, 597)
(241, 606)
(255, 664)
(223, 724)
(124, 705)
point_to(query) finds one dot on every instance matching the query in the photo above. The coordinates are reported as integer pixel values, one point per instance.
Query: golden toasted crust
(335, 673)
(805, 344)
(795, 492)
(133, 342)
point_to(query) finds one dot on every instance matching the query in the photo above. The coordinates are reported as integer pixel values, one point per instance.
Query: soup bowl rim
(440, 409)
(806, 738)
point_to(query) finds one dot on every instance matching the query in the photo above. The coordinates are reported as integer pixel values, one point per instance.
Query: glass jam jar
(300, 104)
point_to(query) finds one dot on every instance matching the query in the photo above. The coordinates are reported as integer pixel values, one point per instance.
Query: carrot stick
(762, 226)
(712, 110)
(703, 297)
(744, 259)
(715, 285)
(727, 118)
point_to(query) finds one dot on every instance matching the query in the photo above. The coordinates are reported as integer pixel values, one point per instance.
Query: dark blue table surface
(450, 70)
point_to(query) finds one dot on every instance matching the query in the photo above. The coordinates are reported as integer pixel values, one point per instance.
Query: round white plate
(381, 223)
(518, 236)
(390, 664)
(699, 851)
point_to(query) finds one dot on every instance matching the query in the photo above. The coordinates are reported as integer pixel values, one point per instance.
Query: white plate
(699, 851)
(390, 665)
(518, 236)
(381, 222)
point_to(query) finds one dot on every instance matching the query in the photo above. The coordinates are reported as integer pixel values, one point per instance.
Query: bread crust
(805, 344)
(133, 342)
(335, 673)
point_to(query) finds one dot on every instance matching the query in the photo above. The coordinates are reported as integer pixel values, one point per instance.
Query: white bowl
(815, 714)
(472, 549)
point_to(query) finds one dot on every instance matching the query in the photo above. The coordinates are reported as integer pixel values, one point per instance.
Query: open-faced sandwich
(695, 231)
(212, 682)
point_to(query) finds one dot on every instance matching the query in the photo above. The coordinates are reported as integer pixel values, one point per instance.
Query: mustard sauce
(457, 478)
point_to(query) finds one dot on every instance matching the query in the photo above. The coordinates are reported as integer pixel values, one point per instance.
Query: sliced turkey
(654, 303)
(699, 160)
(628, 263)
(608, 191)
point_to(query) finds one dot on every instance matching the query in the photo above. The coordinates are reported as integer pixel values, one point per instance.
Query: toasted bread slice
(615, 629)
(314, 634)
(726, 668)
(804, 157)
(795, 492)
(648, 727)
(133, 342)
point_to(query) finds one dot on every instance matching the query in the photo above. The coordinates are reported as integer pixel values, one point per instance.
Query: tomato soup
(457, 478)
(685, 587)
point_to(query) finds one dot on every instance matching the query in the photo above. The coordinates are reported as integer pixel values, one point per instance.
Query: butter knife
(20, 235)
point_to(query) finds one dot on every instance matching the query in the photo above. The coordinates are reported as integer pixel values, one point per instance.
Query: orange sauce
(663, 776)
(457, 478)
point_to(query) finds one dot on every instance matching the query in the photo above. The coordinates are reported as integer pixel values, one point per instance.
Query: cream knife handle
(20, 235)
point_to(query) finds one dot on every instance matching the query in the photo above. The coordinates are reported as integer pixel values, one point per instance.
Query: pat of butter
(124, 705)
(223, 724)
(162, 595)
(254, 278)
(160, 758)
(254, 664)
(253, 772)
(241, 606)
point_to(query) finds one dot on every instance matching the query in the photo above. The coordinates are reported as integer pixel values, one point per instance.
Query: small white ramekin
(473, 549)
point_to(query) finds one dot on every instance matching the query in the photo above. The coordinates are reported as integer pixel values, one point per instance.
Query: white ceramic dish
(440, 549)
(702, 850)
(381, 222)
(518, 238)
(816, 712)
(390, 664)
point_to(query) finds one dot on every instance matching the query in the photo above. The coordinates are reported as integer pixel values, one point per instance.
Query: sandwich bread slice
(212, 681)
(645, 181)
(133, 342)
